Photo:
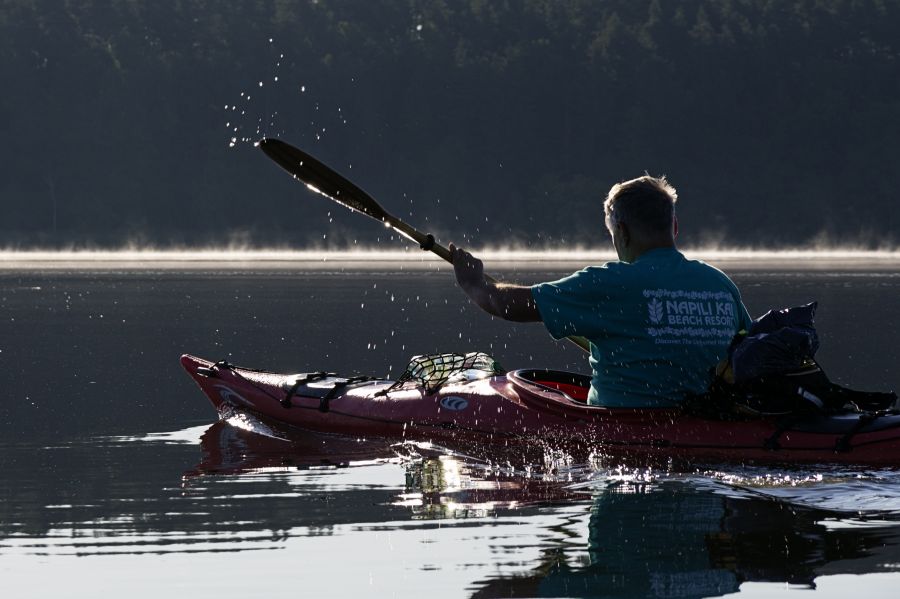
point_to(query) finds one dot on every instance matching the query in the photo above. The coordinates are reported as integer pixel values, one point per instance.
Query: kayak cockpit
(554, 385)
(569, 387)
(565, 394)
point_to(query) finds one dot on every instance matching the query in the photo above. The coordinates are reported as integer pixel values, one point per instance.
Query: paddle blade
(320, 178)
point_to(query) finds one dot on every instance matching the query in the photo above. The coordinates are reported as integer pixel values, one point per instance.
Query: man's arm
(509, 302)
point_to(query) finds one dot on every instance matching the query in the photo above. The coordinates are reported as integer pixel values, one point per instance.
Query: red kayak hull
(508, 409)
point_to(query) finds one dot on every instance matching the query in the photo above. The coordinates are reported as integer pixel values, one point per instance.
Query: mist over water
(409, 257)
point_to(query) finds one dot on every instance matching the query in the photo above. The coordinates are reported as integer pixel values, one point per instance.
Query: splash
(282, 103)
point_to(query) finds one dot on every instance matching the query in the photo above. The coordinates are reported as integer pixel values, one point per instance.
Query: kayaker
(656, 321)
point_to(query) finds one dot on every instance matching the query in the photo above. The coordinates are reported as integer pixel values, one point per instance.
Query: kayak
(545, 408)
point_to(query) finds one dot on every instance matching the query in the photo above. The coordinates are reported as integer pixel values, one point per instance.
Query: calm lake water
(115, 476)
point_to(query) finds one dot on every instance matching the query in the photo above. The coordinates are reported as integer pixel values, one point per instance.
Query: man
(657, 322)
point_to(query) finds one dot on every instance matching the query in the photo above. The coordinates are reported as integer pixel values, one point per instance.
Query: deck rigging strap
(301, 380)
(340, 386)
(771, 443)
(843, 444)
(336, 387)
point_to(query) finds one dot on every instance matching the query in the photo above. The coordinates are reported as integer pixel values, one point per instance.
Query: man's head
(640, 215)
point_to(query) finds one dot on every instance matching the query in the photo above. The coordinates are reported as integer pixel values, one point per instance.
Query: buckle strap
(340, 386)
(843, 445)
(308, 378)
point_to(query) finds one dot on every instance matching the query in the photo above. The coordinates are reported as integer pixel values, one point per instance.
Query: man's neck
(639, 249)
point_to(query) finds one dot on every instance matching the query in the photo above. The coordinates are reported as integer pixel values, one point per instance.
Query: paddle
(323, 180)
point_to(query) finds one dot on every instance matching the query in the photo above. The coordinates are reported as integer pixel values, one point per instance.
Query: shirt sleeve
(572, 305)
(744, 319)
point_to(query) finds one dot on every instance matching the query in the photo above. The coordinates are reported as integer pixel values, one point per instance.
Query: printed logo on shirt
(690, 317)
(655, 308)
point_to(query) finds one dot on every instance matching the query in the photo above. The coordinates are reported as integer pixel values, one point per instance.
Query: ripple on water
(868, 493)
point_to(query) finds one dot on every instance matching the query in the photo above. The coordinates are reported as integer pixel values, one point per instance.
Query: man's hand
(509, 302)
(469, 270)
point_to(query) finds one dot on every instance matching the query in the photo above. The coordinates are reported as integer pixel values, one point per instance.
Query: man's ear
(624, 234)
(674, 226)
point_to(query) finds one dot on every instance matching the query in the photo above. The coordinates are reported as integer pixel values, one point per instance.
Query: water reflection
(666, 540)
(239, 443)
(643, 534)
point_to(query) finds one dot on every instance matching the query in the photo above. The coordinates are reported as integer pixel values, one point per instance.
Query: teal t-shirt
(656, 325)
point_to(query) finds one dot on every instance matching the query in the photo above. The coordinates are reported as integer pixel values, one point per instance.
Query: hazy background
(497, 122)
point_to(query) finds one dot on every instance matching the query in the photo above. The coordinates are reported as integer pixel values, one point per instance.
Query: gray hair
(646, 203)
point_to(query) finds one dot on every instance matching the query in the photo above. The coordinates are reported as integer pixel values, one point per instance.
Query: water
(116, 477)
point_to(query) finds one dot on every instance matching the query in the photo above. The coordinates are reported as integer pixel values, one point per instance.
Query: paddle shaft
(426, 242)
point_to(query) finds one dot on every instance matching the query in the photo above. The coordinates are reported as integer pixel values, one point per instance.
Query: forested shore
(490, 122)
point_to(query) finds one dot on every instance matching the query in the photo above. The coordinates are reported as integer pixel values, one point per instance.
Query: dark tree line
(779, 121)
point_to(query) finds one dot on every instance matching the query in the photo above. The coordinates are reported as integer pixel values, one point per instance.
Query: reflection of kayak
(230, 446)
(540, 406)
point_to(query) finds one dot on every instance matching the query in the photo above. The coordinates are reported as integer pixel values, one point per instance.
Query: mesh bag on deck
(432, 371)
